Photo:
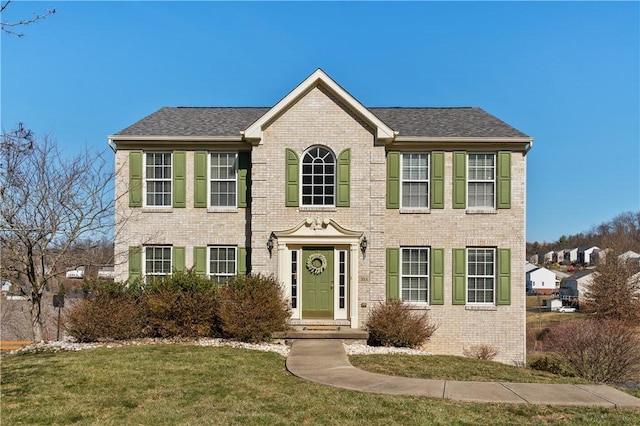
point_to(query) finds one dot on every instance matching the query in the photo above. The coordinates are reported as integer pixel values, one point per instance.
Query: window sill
(222, 210)
(157, 209)
(480, 307)
(482, 211)
(317, 208)
(418, 306)
(415, 210)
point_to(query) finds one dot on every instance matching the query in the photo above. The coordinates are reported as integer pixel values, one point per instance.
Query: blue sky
(565, 73)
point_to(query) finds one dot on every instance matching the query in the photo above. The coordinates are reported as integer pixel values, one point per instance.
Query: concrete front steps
(323, 329)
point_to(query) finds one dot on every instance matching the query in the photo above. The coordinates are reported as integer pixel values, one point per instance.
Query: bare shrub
(395, 324)
(108, 312)
(251, 308)
(182, 305)
(605, 351)
(550, 363)
(485, 352)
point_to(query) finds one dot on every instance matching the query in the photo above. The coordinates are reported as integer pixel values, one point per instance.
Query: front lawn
(184, 384)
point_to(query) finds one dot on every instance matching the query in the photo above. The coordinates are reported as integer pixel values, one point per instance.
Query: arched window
(318, 177)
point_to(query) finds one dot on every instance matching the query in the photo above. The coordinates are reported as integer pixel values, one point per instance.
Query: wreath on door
(316, 263)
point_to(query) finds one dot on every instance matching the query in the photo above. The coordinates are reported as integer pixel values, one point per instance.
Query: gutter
(112, 145)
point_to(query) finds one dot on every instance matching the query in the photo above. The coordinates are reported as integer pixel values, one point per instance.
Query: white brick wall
(320, 119)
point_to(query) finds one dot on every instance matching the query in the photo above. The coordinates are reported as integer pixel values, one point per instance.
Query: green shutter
(459, 272)
(459, 180)
(504, 180)
(135, 179)
(437, 180)
(179, 179)
(504, 277)
(200, 260)
(243, 260)
(292, 174)
(393, 180)
(200, 175)
(436, 293)
(244, 179)
(178, 259)
(393, 274)
(344, 179)
(135, 262)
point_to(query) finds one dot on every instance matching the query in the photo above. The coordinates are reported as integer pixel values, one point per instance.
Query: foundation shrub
(251, 308)
(605, 351)
(109, 311)
(394, 323)
(182, 305)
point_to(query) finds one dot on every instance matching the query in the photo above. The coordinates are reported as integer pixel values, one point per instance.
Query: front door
(317, 282)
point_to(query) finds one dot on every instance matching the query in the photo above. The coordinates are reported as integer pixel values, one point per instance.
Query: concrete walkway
(326, 362)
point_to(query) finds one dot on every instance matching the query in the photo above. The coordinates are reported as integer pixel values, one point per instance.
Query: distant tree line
(622, 233)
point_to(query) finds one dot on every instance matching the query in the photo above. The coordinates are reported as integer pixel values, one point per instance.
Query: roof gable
(383, 132)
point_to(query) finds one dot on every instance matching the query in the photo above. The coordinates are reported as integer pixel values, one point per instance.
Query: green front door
(317, 282)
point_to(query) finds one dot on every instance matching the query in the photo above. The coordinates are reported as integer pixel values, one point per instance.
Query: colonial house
(347, 206)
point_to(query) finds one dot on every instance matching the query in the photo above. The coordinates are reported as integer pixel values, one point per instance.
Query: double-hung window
(481, 180)
(158, 179)
(318, 177)
(415, 274)
(223, 179)
(222, 262)
(481, 275)
(157, 261)
(415, 180)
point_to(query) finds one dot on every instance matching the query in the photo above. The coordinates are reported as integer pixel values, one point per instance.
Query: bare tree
(615, 290)
(49, 204)
(11, 27)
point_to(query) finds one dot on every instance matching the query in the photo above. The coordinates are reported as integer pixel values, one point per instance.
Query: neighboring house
(571, 255)
(585, 254)
(631, 256)
(347, 206)
(106, 272)
(534, 259)
(541, 280)
(549, 256)
(76, 273)
(576, 285)
(554, 304)
(559, 256)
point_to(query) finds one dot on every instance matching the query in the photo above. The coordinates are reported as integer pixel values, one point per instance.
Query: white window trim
(466, 282)
(420, 209)
(210, 207)
(335, 181)
(209, 273)
(144, 261)
(493, 180)
(402, 276)
(145, 179)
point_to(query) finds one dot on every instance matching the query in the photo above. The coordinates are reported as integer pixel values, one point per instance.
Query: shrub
(605, 351)
(483, 351)
(108, 312)
(550, 363)
(182, 305)
(251, 308)
(396, 324)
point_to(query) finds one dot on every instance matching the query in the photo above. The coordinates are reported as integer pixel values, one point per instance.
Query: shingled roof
(230, 121)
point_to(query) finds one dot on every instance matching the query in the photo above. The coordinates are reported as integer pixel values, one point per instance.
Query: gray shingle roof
(230, 121)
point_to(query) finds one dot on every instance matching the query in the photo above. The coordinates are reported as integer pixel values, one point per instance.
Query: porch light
(363, 244)
(270, 244)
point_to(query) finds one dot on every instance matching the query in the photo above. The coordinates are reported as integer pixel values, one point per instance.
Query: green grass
(183, 384)
(444, 367)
